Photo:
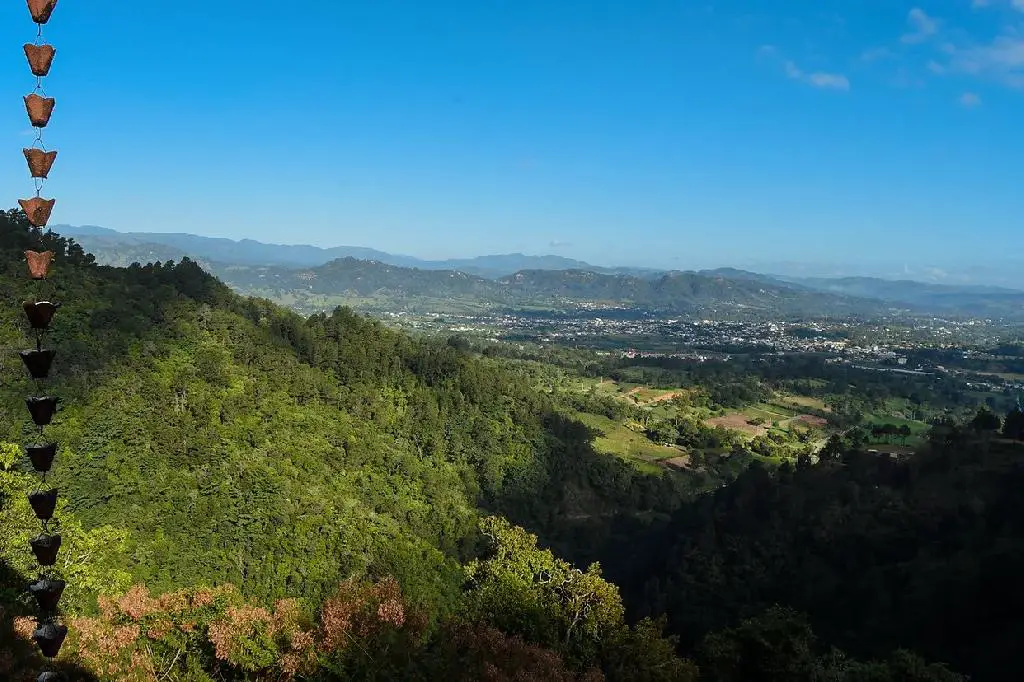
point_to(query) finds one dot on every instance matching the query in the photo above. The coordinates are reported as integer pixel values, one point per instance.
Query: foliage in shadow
(20, 660)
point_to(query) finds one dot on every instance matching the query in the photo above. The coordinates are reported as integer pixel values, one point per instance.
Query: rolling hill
(309, 278)
(978, 300)
(373, 285)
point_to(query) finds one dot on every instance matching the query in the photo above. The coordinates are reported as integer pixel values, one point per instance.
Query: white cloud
(875, 53)
(936, 68)
(982, 4)
(1001, 60)
(923, 26)
(829, 80)
(819, 79)
(969, 99)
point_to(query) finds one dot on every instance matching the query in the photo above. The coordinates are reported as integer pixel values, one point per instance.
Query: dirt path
(737, 422)
(664, 396)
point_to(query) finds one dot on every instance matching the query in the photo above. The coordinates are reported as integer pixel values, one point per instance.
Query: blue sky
(667, 133)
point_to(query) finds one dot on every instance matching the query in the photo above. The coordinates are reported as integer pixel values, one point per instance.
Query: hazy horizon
(995, 274)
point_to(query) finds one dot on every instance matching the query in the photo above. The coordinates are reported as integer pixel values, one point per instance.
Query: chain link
(40, 90)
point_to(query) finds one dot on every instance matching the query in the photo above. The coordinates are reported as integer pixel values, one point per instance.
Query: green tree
(985, 421)
(526, 591)
(904, 433)
(1013, 426)
(833, 449)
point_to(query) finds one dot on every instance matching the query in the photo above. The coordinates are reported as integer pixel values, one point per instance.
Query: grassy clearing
(608, 387)
(769, 412)
(916, 427)
(798, 401)
(635, 394)
(616, 439)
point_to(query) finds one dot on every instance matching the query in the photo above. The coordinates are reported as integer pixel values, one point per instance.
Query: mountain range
(310, 278)
(123, 248)
(375, 285)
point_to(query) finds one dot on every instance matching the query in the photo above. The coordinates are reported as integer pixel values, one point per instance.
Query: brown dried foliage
(39, 162)
(124, 641)
(359, 610)
(487, 654)
(111, 650)
(39, 109)
(24, 627)
(240, 621)
(40, 58)
(136, 603)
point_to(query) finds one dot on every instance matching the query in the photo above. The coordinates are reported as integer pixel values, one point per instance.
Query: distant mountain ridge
(390, 287)
(123, 248)
(321, 276)
(979, 299)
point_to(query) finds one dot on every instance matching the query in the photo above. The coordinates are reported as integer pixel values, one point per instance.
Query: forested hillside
(208, 439)
(247, 494)
(923, 553)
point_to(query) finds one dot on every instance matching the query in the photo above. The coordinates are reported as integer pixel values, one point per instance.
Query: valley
(240, 473)
(513, 342)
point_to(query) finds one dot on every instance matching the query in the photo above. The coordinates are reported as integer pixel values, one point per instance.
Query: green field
(798, 401)
(770, 412)
(616, 439)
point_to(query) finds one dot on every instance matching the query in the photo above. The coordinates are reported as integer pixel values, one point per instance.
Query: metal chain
(50, 526)
(41, 91)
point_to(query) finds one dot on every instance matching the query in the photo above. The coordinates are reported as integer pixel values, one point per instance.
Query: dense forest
(249, 494)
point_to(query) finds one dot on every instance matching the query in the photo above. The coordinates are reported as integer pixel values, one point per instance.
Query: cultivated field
(737, 421)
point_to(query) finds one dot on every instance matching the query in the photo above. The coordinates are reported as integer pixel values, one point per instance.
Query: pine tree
(1013, 427)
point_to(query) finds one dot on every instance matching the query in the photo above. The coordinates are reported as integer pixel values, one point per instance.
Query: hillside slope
(240, 442)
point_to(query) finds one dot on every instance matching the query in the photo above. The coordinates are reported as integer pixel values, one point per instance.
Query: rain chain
(47, 589)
